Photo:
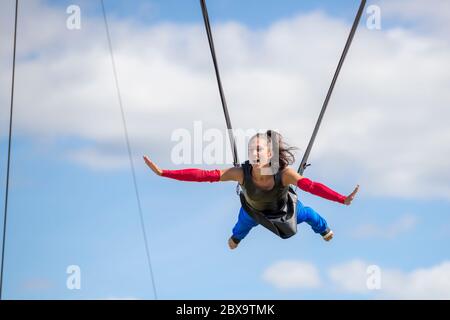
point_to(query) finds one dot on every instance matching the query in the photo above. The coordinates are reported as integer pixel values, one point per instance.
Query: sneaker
(327, 235)
(232, 243)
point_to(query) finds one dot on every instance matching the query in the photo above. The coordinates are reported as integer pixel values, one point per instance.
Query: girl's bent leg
(311, 217)
(243, 226)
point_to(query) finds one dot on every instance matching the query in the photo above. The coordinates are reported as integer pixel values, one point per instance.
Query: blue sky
(68, 208)
(254, 13)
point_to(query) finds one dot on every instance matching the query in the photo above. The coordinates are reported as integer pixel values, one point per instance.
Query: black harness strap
(303, 164)
(219, 83)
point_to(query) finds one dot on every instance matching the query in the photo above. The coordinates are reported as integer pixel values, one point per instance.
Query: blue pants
(304, 214)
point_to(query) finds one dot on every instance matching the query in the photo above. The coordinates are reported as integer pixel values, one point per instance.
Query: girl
(264, 192)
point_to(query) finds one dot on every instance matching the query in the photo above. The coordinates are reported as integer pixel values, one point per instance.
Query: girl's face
(259, 152)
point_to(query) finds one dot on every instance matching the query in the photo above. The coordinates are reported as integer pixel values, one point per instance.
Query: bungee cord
(5, 215)
(130, 157)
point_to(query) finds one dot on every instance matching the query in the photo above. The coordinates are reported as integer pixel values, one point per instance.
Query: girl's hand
(152, 166)
(349, 199)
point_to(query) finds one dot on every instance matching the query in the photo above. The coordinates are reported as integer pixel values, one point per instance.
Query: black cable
(9, 148)
(219, 83)
(303, 164)
(136, 189)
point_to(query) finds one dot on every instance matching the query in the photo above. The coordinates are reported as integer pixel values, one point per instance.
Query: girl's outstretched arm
(197, 175)
(291, 176)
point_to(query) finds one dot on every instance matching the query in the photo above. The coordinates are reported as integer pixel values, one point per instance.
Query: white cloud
(430, 17)
(350, 277)
(292, 275)
(423, 283)
(386, 127)
(399, 227)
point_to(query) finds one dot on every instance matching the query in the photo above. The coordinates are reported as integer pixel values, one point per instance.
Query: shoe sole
(328, 236)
